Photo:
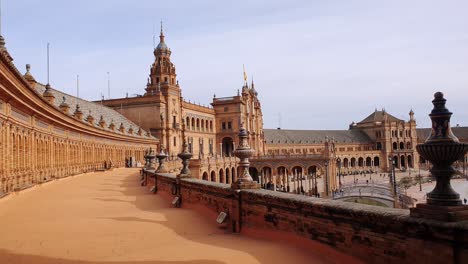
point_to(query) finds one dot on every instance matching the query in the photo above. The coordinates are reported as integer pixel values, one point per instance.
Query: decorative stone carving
(244, 152)
(442, 149)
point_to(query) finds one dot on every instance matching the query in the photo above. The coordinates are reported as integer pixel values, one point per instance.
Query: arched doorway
(368, 161)
(227, 145)
(345, 163)
(281, 171)
(396, 161)
(353, 162)
(228, 176)
(410, 161)
(361, 162)
(233, 173)
(254, 173)
(221, 176)
(213, 176)
(376, 161)
(312, 175)
(205, 176)
(402, 162)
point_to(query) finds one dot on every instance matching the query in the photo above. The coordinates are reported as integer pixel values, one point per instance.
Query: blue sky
(317, 64)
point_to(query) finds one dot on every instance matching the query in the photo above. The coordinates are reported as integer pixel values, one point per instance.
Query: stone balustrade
(374, 234)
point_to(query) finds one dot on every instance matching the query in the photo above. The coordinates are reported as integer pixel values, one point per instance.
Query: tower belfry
(163, 72)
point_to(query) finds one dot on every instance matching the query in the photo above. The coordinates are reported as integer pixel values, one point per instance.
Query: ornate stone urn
(244, 152)
(149, 157)
(442, 148)
(161, 158)
(185, 156)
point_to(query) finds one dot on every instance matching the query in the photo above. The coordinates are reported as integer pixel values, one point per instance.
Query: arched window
(395, 146)
(402, 145)
(379, 146)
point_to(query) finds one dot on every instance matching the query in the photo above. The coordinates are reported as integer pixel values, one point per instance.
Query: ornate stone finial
(161, 158)
(28, 76)
(244, 152)
(440, 117)
(149, 157)
(48, 95)
(90, 118)
(185, 155)
(442, 149)
(102, 123)
(64, 106)
(112, 125)
(78, 114)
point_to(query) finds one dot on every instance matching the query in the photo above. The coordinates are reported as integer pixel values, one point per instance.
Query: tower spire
(48, 71)
(161, 35)
(245, 75)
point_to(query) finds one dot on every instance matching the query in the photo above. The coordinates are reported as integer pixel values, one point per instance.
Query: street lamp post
(339, 172)
(420, 179)
(315, 184)
(326, 178)
(393, 181)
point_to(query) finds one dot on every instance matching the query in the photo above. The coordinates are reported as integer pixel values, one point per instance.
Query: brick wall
(373, 234)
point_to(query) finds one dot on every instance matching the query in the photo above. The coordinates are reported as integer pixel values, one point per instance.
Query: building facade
(372, 144)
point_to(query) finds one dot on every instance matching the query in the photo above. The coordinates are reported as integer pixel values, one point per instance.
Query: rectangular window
(223, 125)
(229, 125)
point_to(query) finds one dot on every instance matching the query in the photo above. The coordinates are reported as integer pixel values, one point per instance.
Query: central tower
(163, 85)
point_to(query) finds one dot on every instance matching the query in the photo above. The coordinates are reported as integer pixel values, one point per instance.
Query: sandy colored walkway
(108, 218)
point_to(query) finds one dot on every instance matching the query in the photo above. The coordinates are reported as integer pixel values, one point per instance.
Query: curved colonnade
(39, 141)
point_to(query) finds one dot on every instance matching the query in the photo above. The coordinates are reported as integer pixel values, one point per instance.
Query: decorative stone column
(150, 157)
(149, 166)
(442, 149)
(244, 152)
(185, 156)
